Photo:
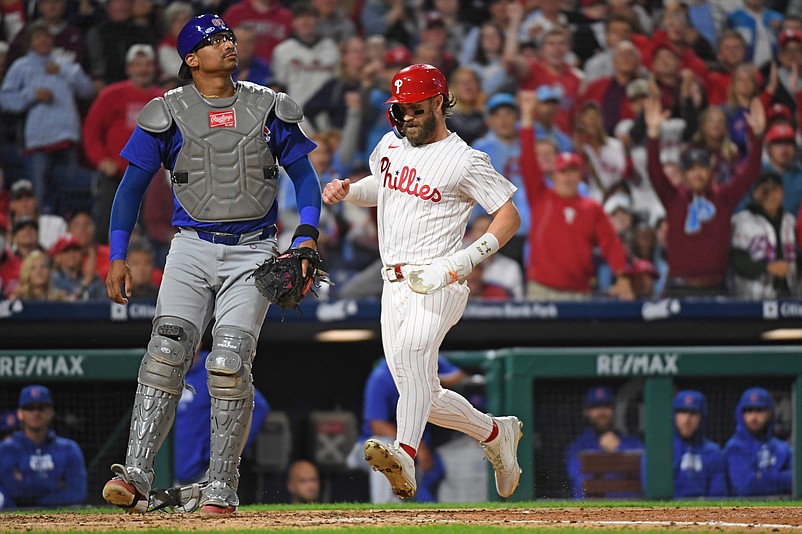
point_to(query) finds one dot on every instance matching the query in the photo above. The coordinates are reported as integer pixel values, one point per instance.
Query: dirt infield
(754, 519)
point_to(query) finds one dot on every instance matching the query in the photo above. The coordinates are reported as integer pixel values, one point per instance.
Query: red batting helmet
(417, 83)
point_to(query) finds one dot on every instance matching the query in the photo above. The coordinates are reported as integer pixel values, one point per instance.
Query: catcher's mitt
(281, 281)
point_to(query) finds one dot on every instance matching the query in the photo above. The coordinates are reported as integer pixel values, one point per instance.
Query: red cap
(668, 45)
(642, 266)
(567, 159)
(417, 83)
(790, 35)
(398, 55)
(64, 243)
(777, 111)
(780, 132)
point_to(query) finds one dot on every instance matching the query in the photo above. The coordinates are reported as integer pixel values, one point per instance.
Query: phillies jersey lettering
(452, 176)
(407, 181)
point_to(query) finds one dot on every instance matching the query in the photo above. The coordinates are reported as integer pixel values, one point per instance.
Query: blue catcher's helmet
(193, 33)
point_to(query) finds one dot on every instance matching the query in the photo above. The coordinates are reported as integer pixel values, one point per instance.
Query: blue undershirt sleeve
(307, 193)
(125, 209)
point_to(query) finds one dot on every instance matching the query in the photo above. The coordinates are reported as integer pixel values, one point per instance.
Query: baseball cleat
(503, 454)
(213, 510)
(119, 493)
(394, 463)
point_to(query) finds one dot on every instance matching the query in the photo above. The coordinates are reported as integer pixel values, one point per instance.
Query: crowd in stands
(654, 144)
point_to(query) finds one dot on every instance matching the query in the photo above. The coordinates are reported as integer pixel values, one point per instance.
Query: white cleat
(394, 463)
(503, 454)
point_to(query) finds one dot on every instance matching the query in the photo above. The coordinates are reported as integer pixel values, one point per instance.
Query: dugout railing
(514, 376)
(93, 393)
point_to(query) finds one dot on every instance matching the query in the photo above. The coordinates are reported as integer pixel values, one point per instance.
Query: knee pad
(170, 351)
(229, 363)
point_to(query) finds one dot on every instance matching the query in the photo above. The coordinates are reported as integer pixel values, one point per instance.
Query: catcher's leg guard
(231, 390)
(161, 379)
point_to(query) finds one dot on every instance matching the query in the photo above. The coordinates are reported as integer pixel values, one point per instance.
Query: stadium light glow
(345, 336)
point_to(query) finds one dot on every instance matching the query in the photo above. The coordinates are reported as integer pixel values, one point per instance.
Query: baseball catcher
(283, 279)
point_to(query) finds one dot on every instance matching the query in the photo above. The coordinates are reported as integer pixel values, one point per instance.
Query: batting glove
(426, 279)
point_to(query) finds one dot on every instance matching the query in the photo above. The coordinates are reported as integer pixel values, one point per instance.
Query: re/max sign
(636, 364)
(41, 366)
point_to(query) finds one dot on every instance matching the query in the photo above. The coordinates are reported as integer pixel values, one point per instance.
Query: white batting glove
(426, 279)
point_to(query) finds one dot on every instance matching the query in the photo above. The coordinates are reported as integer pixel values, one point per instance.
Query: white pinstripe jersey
(426, 195)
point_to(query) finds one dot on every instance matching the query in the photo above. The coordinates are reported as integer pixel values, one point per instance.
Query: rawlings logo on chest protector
(222, 119)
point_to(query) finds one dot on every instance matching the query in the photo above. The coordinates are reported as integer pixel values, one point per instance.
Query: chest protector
(224, 171)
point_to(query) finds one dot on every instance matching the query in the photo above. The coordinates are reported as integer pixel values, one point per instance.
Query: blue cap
(689, 401)
(757, 398)
(35, 394)
(599, 396)
(191, 35)
(549, 92)
(501, 99)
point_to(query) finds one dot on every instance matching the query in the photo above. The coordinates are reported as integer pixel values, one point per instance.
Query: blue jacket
(48, 475)
(192, 429)
(757, 465)
(742, 22)
(698, 462)
(588, 440)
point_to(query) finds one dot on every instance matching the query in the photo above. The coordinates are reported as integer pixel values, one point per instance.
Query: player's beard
(420, 135)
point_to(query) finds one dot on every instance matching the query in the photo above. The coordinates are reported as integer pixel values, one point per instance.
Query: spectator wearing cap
(25, 237)
(448, 15)
(433, 43)
(69, 275)
(549, 97)
(699, 469)
(758, 463)
(781, 80)
(39, 468)
(643, 277)
(610, 92)
(730, 53)
(45, 87)
(758, 24)
(763, 254)
(273, 23)
(502, 145)
(23, 202)
(779, 113)
(699, 211)
(304, 62)
(782, 158)
(599, 435)
(467, 118)
(111, 121)
(560, 216)
(550, 67)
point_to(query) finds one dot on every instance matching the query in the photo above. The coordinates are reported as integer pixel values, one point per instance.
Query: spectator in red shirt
(560, 216)
(109, 124)
(699, 211)
(272, 21)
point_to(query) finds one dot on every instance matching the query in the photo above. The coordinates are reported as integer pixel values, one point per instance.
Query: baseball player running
(221, 142)
(425, 181)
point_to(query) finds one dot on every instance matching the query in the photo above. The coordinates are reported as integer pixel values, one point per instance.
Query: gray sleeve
(155, 117)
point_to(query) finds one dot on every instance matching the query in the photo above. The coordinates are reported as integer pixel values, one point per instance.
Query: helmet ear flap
(396, 119)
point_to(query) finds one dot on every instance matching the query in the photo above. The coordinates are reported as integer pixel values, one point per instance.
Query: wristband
(306, 230)
(482, 248)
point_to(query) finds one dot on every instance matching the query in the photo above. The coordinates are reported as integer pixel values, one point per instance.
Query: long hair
(26, 289)
(726, 147)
